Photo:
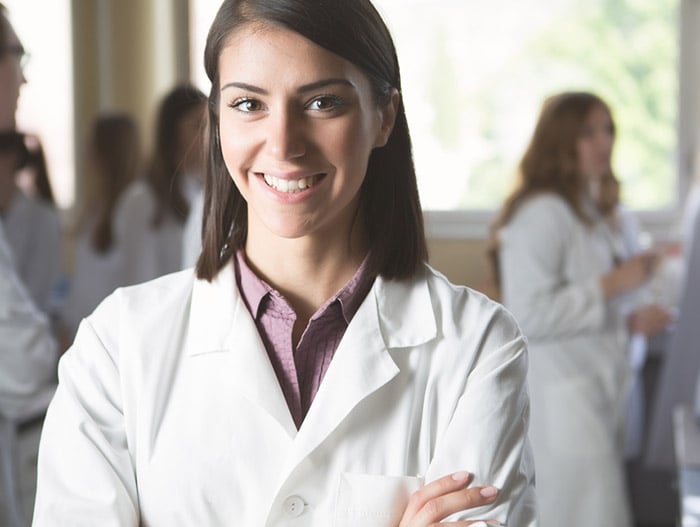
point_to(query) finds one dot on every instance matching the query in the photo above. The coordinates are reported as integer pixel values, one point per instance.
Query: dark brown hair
(36, 164)
(165, 169)
(115, 147)
(389, 202)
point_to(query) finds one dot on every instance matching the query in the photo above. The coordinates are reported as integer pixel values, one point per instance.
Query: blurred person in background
(32, 226)
(113, 162)
(27, 347)
(566, 275)
(151, 215)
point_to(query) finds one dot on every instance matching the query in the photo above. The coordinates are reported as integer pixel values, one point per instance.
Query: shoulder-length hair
(163, 175)
(389, 202)
(115, 149)
(550, 163)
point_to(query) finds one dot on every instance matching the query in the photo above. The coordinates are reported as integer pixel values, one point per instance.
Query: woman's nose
(285, 135)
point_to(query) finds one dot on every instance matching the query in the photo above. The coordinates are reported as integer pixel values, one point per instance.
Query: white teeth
(290, 186)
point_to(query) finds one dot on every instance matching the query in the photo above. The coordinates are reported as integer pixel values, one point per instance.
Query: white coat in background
(27, 349)
(149, 252)
(33, 232)
(95, 276)
(551, 264)
(27, 376)
(168, 412)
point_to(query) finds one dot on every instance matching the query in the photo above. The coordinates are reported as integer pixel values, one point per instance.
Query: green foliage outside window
(624, 50)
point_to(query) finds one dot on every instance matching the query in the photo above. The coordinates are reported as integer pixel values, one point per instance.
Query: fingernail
(460, 476)
(488, 492)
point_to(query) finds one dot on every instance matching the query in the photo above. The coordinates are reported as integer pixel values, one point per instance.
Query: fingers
(446, 496)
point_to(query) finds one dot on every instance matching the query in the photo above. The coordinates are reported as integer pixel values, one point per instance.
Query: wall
(127, 54)
(464, 262)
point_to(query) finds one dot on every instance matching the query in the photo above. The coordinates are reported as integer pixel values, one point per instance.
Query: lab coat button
(294, 506)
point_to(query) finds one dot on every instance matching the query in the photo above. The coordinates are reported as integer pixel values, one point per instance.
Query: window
(475, 74)
(46, 101)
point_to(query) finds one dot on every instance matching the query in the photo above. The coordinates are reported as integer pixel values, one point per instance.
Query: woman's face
(297, 124)
(595, 144)
(11, 77)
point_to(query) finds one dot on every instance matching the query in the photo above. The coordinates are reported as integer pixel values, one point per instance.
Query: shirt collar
(253, 289)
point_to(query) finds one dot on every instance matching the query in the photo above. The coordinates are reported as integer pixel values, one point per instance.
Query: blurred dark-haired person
(32, 226)
(27, 347)
(151, 214)
(113, 162)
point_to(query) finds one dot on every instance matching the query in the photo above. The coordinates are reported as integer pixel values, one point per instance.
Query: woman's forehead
(270, 51)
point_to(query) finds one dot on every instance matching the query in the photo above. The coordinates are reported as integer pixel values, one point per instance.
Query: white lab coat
(27, 349)
(27, 376)
(551, 265)
(149, 252)
(33, 232)
(169, 412)
(95, 276)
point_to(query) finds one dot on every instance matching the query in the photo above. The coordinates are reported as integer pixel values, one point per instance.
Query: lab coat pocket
(372, 500)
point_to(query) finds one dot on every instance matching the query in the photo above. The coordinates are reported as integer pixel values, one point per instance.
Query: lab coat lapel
(222, 331)
(394, 314)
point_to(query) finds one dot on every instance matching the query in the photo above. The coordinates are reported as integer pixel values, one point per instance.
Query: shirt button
(294, 506)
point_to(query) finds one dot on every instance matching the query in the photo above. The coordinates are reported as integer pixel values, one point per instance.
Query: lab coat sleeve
(533, 250)
(86, 474)
(487, 434)
(27, 348)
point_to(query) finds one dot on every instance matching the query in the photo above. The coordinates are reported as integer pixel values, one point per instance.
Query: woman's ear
(388, 116)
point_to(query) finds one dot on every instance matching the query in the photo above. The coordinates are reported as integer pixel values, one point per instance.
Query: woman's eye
(325, 103)
(246, 105)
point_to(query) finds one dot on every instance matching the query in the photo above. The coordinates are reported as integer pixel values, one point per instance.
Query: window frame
(661, 224)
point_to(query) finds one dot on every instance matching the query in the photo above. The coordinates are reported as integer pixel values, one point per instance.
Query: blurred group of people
(132, 220)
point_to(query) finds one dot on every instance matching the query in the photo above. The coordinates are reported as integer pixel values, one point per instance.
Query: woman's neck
(309, 270)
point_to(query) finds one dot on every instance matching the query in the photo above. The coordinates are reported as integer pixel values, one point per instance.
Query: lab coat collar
(222, 331)
(403, 313)
(395, 314)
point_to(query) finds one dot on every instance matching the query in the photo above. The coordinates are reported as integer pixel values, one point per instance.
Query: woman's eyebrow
(302, 89)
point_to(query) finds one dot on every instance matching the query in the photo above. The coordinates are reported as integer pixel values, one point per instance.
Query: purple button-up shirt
(300, 371)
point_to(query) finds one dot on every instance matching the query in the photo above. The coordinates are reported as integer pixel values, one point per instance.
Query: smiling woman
(313, 128)
(314, 366)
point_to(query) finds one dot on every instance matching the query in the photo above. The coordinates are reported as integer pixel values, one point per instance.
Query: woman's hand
(445, 496)
(649, 320)
(630, 274)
